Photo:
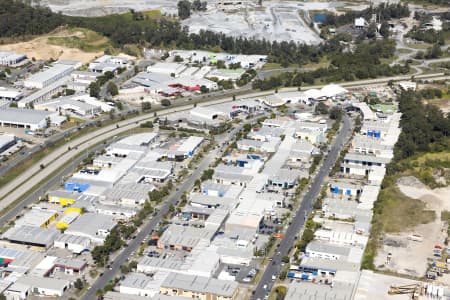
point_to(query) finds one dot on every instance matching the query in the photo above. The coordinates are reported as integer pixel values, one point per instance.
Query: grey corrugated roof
(50, 72)
(318, 246)
(32, 235)
(201, 284)
(25, 116)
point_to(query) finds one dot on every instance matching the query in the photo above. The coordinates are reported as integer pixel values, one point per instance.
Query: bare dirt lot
(408, 256)
(41, 48)
(376, 286)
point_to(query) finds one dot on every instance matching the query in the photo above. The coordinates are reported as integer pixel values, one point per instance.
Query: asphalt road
(305, 208)
(152, 224)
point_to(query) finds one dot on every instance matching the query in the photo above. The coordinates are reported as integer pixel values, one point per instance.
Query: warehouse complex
(191, 186)
(334, 256)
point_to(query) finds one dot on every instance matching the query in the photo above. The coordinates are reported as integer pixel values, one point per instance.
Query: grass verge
(83, 39)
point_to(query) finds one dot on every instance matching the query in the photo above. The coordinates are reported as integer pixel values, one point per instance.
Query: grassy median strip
(54, 173)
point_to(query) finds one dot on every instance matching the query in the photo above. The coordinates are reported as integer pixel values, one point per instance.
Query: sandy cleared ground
(376, 286)
(279, 21)
(39, 48)
(411, 257)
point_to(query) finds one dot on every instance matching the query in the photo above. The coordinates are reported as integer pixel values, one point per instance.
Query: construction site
(270, 20)
(421, 251)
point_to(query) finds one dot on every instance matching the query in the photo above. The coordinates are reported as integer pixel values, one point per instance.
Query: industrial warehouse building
(171, 69)
(74, 243)
(93, 226)
(24, 118)
(108, 63)
(7, 141)
(43, 94)
(48, 76)
(202, 288)
(10, 58)
(10, 94)
(82, 105)
(44, 286)
(32, 236)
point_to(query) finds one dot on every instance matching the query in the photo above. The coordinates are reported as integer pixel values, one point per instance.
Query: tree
(281, 290)
(198, 5)
(132, 265)
(184, 9)
(165, 102)
(112, 89)
(146, 106)
(69, 92)
(207, 174)
(124, 269)
(99, 293)
(220, 64)
(112, 114)
(335, 113)
(94, 89)
(384, 29)
(148, 124)
(321, 108)
(434, 52)
(197, 183)
(12, 104)
(372, 31)
(78, 284)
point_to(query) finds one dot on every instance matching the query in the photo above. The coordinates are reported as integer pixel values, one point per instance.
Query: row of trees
(428, 36)
(431, 53)
(19, 19)
(365, 62)
(430, 93)
(424, 127)
(383, 11)
(185, 7)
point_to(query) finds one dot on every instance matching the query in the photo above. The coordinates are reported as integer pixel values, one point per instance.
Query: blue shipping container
(290, 274)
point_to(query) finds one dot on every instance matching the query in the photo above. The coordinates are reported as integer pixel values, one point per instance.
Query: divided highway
(273, 268)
